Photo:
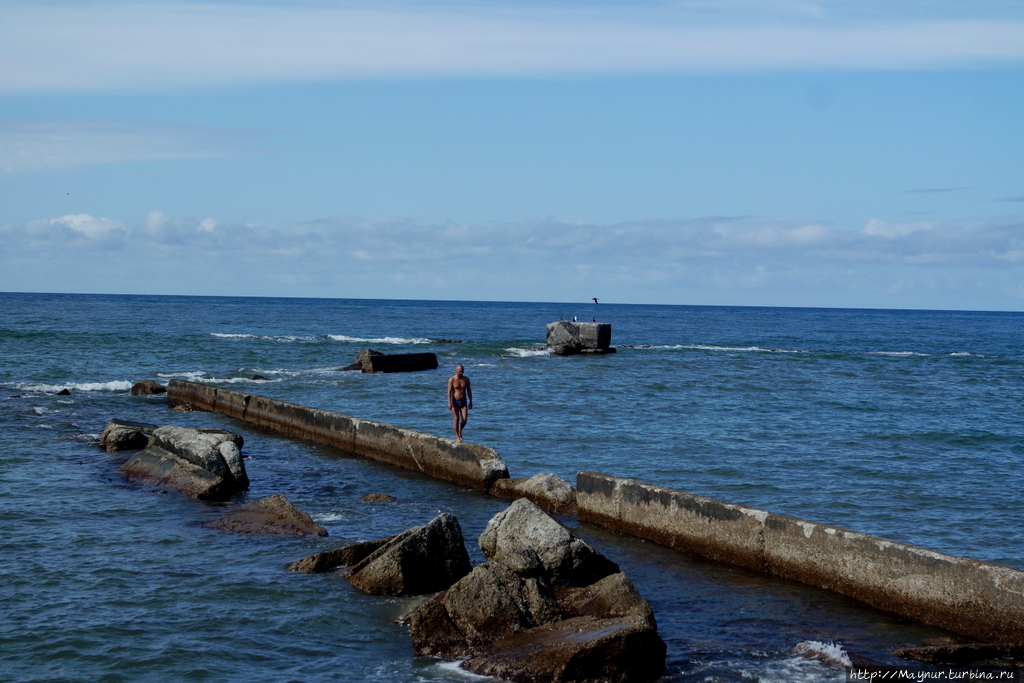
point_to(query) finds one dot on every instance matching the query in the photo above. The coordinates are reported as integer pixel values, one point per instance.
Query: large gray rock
(576, 650)
(347, 556)
(548, 491)
(424, 559)
(271, 515)
(491, 602)
(570, 560)
(158, 467)
(216, 451)
(122, 435)
(614, 596)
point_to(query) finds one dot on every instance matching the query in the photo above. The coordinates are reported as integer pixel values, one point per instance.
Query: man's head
(459, 370)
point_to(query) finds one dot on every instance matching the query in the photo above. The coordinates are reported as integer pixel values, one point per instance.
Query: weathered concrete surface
(979, 599)
(720, 531)
(329, 560)
(423, 559)
(576, 650)
(271, 515)
(548, 491)
(124, 435)
(463, 463)
(568, 337)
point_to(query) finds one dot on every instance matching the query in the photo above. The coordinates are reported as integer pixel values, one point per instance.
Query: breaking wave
(76, 386)
(379, 340)
(527, 351)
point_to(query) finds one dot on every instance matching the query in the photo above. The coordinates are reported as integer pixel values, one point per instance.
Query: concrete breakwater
(974, 598)
(461, 463)
(978, 599)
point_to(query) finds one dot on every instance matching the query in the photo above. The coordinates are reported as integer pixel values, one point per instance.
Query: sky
(831, 153)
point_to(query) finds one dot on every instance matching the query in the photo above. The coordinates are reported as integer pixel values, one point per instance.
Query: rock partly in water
(424, 559)
(214, 450)
(576, 650)
(612, 597)
(123, 435)
(399, 362)
(258, 378)
(271, 515)
(570, 560)
(378, 498)
(64, 392)
(157, 467)
(491, 602)
(548, 491)
(329, 560)
(148, 387)
(962, 653)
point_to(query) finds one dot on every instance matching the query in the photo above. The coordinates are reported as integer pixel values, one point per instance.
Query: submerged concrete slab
(462, 463)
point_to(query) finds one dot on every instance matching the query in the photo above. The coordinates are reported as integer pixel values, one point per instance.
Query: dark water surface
(903, 424)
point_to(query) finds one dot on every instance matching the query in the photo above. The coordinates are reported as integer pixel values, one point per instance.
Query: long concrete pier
(974, 598)
(462, 463)
(977, 599)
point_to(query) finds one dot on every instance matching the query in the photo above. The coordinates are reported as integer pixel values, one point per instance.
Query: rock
(338, 557)
(576, 650)
(961, 653)
(491, 602)
(216, 451)
(424, 559)
(122, 435)
(614, 596)
(158, 467)
(378, 498)
(446, 341)
(399, 362)
(354, 366)
(64, 392)
(569, 559)
(147, 387)
(259, 378)
(271, 515)
(548, 491)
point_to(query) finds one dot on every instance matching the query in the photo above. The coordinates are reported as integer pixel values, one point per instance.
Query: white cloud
(114, 46)
(45, 145)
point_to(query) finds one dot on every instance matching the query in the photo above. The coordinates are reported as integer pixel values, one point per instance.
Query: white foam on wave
(333, 516)
(77, 386)
(379, 340)
(754, 349)
(264, 337)
(902, 354)
(527, 352)
(826, 652)
(452, 669)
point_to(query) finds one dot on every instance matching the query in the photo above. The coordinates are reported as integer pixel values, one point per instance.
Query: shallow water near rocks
(903, 424)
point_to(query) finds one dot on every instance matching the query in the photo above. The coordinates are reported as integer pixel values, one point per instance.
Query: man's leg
(456, 425)
(465, 419)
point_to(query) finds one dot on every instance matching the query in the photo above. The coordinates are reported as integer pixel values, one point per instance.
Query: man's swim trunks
(459, 402)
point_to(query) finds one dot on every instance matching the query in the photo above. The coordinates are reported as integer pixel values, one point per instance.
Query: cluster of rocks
(567, 338)
(369, 361)
(202, 463)
(546, 606)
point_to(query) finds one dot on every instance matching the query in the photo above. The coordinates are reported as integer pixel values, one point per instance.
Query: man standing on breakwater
(460, 400)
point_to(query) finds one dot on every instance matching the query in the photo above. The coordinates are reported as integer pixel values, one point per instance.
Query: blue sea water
(902, 424)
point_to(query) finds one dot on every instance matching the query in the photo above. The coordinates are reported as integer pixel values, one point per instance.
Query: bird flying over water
(595, 299)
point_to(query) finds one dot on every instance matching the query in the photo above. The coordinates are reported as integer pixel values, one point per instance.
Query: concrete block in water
(567, 337)
(463, 463)
(399, 362)
(978, 599)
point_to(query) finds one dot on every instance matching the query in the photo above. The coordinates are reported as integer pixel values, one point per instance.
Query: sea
(898, 423)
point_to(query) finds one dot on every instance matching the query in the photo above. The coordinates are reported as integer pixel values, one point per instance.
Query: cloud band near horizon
(152, 46)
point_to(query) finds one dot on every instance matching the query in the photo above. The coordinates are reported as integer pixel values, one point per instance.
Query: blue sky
(692, 152)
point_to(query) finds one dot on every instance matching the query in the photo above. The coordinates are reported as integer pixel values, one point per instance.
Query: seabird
(595, 299)
(575, 319)
(592, 320)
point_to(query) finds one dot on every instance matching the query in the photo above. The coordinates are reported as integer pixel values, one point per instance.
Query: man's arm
(469, 395)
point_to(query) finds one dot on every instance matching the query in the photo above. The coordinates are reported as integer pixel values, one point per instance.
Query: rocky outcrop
(613, 596)
(424, 559)
(329, 560)
(492, 602)
(123, 435)
(576, 650)
(271, 515)
(202, 463)
(567, 338)
(147, 387)
(962, 653)
(378, 498)
(548, 491)
(369, 360)
(570, 560)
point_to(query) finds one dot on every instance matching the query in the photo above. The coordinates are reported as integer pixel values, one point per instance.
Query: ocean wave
(201, 377)
(901, 354)
(455, 670)
(527, 351)
(264, 337)
(713, 347)
(379, 340)
(825, 652)
(76, 386)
